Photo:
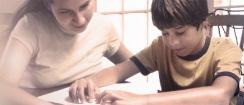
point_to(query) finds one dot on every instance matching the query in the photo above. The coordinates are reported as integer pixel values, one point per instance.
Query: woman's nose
(79, 20)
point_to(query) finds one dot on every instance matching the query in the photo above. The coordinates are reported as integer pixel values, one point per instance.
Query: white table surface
(61, 96)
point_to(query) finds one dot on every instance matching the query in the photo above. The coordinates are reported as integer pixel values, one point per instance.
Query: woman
(55, 42)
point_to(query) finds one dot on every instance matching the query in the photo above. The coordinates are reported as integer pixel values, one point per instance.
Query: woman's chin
(74, 32)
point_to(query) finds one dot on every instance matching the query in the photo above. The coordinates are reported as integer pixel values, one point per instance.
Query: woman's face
(184, 40)
(72, 15)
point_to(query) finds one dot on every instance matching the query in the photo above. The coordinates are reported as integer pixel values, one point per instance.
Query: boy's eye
(180, 33)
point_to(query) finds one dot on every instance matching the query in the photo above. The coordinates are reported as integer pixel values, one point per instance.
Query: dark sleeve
(141, 67)
(232, 75)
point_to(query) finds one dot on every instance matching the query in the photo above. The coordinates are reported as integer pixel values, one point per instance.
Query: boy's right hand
(83, 90)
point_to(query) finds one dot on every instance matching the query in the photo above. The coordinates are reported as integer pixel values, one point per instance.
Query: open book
(61, 97)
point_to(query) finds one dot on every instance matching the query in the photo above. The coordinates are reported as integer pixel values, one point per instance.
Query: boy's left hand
(116, 97)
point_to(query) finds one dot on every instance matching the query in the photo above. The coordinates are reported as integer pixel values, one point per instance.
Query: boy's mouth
(179, 51)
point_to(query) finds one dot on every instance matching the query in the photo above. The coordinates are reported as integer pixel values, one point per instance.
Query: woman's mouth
(79, 28)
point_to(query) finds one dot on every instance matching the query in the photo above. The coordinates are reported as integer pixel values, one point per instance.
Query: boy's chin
(181, 54)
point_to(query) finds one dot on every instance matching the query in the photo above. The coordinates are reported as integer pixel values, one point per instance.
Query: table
(61, 97)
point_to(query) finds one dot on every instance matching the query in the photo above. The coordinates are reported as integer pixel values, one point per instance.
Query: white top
(59, 59)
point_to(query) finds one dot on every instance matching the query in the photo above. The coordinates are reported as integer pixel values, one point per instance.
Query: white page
(62, 96)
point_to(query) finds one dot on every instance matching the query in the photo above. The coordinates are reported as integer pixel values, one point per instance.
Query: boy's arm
(220, 93)
(115, 74)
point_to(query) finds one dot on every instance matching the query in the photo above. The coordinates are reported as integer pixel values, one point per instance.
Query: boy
(194, 69)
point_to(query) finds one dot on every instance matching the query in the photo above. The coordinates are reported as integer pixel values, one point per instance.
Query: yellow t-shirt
(220, 56)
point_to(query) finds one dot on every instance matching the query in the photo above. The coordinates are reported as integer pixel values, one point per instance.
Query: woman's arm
(14, 61)
(115, 74)
(15, 96)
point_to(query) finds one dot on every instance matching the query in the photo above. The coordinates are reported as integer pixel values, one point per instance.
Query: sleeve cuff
(141, 67)
(232, 75)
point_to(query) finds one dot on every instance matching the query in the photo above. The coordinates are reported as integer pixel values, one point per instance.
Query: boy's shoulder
(158, 43)
(159, 40)
(224, 44)
(222, 41)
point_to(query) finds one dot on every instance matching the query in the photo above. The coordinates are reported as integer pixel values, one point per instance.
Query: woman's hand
(116, 97)
(83, 90)
(47, 103)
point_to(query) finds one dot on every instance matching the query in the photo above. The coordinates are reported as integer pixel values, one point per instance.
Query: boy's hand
(116, 97)
(83, 90)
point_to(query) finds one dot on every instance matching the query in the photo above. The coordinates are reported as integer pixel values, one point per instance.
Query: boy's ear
(206, 27)
(205, 24)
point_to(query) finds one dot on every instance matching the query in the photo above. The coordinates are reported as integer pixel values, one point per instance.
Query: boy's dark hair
(168, 13)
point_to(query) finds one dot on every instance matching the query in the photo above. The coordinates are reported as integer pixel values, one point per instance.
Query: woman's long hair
(28, 7)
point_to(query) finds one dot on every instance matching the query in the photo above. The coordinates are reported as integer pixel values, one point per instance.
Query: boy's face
(72, 15)
(184, 40)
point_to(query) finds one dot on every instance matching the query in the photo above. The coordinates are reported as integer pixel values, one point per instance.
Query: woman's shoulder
(36, 19)
(34, 23)
(26, 22)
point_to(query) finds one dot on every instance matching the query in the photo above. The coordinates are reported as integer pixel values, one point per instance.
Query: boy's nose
(173, 42)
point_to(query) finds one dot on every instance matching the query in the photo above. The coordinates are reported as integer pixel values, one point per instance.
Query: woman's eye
(66, 13)
(84, 6)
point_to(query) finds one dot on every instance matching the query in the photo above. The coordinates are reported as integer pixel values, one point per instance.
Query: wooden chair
(224, 23)
(229, 21)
